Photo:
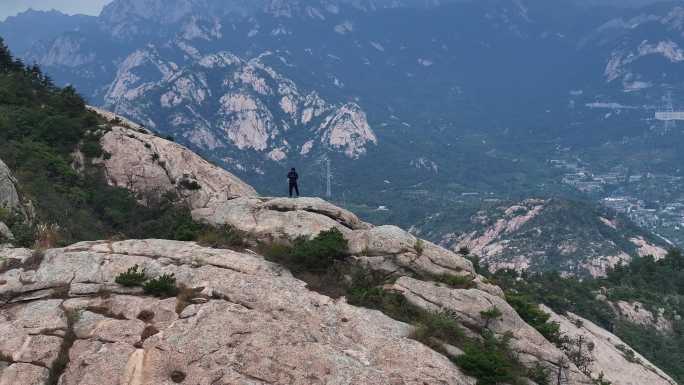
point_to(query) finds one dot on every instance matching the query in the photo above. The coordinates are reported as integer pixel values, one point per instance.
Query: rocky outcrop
(242, 320)
(610, 355)
(9, 198)
(147, 164)
(572, 237)
(467, 304)
(639, 314)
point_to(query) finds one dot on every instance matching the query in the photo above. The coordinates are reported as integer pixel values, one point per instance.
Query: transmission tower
(328, 179)
(667, 113)
(326, 174)
(669, 108)
(561, 375)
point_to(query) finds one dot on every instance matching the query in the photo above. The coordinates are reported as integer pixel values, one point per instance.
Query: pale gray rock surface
(254, 109)
(609, 353)
(638, 313)
(5, 233)
(467, 304)
(9, 198)
(145, 163)
(24, 374)
(258, 325)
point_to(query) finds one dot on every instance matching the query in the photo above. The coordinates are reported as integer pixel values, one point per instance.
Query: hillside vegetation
(44, 130)
(657, 285)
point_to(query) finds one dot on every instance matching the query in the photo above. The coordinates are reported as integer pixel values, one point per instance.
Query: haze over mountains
(429, 102)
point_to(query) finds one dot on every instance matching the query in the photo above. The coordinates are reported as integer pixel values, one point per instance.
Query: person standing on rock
(293, 177)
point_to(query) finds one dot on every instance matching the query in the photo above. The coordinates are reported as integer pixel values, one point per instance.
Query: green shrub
(539, 374)
(132, 277)
(276, 251)
(366, 290)
(189, 185)
(24, 234)
(439, 326)
(5, 214)
(91, 148)
(535, 317)
(222, 238)
(321, 252)
(490, 361)
(490, 314)
(162, 286)
(457, 281)
(419, 246)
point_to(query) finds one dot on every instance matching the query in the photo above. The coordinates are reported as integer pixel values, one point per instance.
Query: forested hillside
(646, 286)
(50, 142)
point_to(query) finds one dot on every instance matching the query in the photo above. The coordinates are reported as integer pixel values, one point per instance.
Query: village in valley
(652, 201)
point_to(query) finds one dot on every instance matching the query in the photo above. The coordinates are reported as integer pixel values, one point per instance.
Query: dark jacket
(293, 176)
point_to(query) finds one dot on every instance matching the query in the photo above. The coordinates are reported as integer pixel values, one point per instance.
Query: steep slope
(609, 352)
(543, 235)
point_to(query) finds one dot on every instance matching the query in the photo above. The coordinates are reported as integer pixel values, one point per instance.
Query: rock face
(145, 163)
(638, 313)
(610, 354)
(467, 305)
(249, 321)
(571, 237)
(9, 199)
(218, 101)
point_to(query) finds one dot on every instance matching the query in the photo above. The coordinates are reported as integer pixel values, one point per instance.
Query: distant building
(667, 116)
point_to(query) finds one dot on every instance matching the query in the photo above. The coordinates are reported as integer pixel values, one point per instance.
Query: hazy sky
(89, 7)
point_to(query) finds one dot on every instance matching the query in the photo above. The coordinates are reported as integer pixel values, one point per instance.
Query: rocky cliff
(217, 101)
(239, 318)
